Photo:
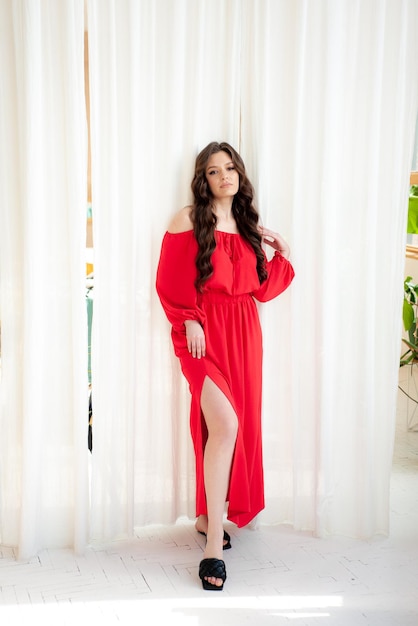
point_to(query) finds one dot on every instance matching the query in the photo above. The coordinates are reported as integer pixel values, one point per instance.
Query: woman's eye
(231, 167)
(212, 172)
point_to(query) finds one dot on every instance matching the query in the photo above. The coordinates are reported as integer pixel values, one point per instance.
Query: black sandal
(212, 568)
(227, 538)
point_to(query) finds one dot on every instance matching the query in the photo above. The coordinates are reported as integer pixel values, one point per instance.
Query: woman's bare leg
(222, 425)
(201, 526)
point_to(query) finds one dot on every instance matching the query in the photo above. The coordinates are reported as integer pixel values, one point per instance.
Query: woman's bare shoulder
(181, 222)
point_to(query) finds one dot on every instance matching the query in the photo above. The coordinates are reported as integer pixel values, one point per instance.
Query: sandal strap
(227, 539)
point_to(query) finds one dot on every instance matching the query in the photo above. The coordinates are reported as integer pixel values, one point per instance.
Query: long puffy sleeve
(176, 275)
(280, 274)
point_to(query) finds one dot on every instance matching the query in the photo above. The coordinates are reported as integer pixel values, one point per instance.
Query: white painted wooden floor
(275, 575)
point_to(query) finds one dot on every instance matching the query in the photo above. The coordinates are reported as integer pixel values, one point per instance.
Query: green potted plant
(409, 314)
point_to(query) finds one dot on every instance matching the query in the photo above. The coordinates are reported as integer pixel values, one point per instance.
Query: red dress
(228, 313)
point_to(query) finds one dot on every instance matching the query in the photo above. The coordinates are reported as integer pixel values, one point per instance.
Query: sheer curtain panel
(320, 98)
(328, 108)
(154, 71)
(43, 419)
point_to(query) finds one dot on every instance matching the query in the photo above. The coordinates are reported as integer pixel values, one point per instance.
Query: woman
(211, 268)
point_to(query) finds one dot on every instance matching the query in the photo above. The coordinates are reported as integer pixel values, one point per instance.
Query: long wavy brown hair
(204, 218)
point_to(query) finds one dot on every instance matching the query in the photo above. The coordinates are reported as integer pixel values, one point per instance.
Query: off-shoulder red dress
(228, 313)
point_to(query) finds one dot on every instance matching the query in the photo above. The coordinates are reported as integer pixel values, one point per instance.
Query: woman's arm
(280, 272)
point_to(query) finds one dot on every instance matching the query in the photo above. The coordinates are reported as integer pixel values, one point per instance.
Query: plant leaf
(407, 314)
(410, 345)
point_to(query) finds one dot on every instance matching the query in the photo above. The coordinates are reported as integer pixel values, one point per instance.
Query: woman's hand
(195, 336)
(275, 240)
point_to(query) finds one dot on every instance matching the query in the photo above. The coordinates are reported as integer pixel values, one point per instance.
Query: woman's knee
(221, 419)
(225, 427)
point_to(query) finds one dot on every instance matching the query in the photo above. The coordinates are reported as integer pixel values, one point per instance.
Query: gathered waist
(219, 297)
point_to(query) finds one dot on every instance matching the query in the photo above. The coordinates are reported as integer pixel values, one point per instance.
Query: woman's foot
(212, 573)
(214, 567)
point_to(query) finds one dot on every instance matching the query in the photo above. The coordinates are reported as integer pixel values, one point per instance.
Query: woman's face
(222, 177)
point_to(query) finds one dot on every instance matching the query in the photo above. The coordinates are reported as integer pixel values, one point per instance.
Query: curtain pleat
(43, 458)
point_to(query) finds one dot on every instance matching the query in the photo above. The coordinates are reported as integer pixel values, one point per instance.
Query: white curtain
(43, 419)
(156, 96)
(320, 98)
(327, 124)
